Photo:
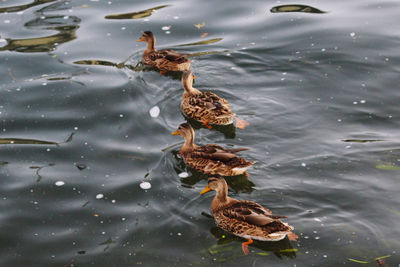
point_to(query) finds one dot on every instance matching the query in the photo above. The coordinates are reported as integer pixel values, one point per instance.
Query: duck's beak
(141, 39)
(205, 190)
(176, 133)
(194, 77)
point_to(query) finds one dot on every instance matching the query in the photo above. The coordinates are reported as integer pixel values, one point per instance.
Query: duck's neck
(189, 89)
(221, 198)
(151, 45)
(189, 142)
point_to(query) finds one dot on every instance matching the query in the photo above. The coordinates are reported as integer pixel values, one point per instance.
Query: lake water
(320, 91)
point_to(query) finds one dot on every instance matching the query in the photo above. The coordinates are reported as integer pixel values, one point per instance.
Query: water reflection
(65, 26)
(229, 131)
(296, 8)
(228, 246)
(11, 9)
(22, 141)
(135, 15)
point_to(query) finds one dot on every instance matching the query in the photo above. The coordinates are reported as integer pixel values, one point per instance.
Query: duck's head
(216, 184)
(185, 130)
(147, 36)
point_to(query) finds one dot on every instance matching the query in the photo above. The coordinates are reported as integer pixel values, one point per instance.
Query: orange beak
(176, 133)
(205, 190)
(141, 39)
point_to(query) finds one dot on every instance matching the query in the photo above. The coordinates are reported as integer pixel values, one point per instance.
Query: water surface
(320, 91)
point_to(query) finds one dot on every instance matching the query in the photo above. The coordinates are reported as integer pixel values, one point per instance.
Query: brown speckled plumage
(211, 159)
(244, 218)
(204, 106)
(164, 60)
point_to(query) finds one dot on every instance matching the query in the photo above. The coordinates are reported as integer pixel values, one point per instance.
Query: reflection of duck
(164, 60)
(210, 159)
(245, 218)
(206, 107)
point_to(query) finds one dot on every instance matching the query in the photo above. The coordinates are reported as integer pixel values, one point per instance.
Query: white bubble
(303, 164)
(99, 196)
(154, 111)
(166, 28)
(352, 34)
(183, 174)
(59, 183)
(145, 185)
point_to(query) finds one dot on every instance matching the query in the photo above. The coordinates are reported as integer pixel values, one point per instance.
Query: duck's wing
(173, 56)
(252, 213)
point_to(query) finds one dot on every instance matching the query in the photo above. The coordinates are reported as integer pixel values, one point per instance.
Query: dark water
(320, 90)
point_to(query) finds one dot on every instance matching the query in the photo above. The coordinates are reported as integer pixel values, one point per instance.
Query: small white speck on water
(303, 164)
(325, 256)
(339, 120)
(179, 234)
(7, 21)
(99, 196)
(348, 147)
(42, 17)
(323, 49)
(362, 101)
(175, 17)
(145, 185)
(317, 237)
(355, 103)
(75, 128)
(123, 28)
(123, 219)
(103, 233)
(59, 183)
(166, 28)
(108, 34)
(66, 17)
(113, 201)
(306, 237)
(167, 32)
(317, 219)
(44, 84)
(154, 111)
(183, 174)
(20, 12)
(48, 150)
(146, 19)
(121, 115)
(352, 34)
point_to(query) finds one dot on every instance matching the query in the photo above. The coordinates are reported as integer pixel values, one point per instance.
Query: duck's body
(206, 107)
(245, 218)
(164, 60)
(210, 159)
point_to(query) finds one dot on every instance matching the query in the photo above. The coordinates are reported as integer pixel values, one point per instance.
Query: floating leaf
(200, 25)
(288, 250)
(263, 253)
(383, 257)
(353, 260)
(387, 167)
(296, 8)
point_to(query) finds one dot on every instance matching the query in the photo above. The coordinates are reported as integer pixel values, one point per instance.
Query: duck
(206, 107)
(210, 159)
(245, 218)
(164, 60)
